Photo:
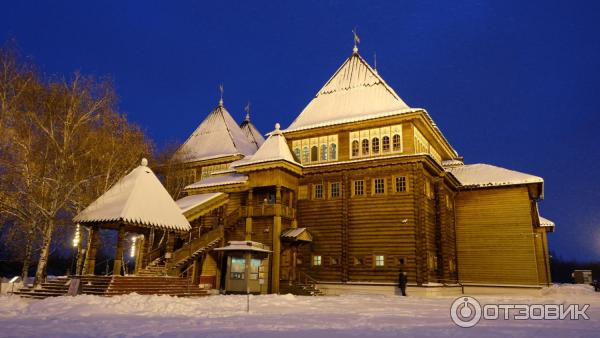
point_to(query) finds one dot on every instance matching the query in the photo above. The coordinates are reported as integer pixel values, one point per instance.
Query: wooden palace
(357, 188)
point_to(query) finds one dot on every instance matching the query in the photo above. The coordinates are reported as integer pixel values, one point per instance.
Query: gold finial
(356, 41)
(221, 90)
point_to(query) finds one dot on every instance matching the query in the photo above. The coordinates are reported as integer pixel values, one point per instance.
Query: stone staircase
(116, 285)
(299, 289)
(90, 285)
(172, 286)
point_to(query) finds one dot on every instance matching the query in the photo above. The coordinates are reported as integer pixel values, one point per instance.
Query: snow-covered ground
(282, 316)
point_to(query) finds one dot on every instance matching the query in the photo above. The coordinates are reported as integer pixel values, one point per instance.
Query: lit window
(318, 190)
(359, 188)
(297, 153)
(335, 190)
(324, 152)
(400, 184)
(397, 143)
(365, 147)
(379, 185)
(386, 143)
(448, 202)
(316, 261)
(305, 155)
(375, 145)
(333, 150)
(314, 154)
(379, 260)
(354, 148)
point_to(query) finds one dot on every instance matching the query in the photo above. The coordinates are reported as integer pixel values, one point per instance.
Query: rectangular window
(428, 190)
(335, 190)
(316, 261)
(379, 186)
(359, 188)
(318, 189)
(379, 260)
(401, 184)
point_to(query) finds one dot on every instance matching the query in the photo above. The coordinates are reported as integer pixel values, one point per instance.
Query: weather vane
(356, 40)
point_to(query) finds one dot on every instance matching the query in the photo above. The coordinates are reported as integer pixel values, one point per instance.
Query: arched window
(365, 147)
(314, 154)
(333, 150)
(297, 153)
(354, 148)
(305, 155)
(397, 144)
(385, 142)
(324, 153)
(375, 145)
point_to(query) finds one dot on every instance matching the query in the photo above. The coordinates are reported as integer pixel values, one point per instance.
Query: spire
(221, 90)
(247, 110)
(356, 41)
(375, 62)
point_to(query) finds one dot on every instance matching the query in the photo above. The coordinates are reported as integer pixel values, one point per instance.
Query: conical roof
(217, 136)
(139, 199)
(275, 148)
(354, 92)
(251, 132)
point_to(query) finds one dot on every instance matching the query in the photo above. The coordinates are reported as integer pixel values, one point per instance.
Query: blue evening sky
(510, 83)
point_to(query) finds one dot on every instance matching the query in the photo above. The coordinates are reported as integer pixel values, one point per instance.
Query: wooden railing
(189, 249)
(265, 209)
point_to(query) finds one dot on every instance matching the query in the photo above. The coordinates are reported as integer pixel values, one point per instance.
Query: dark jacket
(402, 280)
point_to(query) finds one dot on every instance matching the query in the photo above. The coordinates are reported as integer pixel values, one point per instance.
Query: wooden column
(170, 244)
(346, 193)
(145, 252)
(119, 252)
(92, 248)
(276, 243)
(139, 253)
(249, 203)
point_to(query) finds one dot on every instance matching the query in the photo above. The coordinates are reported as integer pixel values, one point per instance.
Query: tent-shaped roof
(485, 175)
(217, 136)
(252, 134)
(217, 180)
(194, 206)
(136, 199)
(275, 148)
(354, 92)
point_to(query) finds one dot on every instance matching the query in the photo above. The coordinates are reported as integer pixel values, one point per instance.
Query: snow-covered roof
(275, 148)
(251, 132)
(544, 222)
(486, 175)
(217, 136)
(212, 181)
(297, 234)
(244, 246)
(354, 92)
(138, 198)
(189, 202)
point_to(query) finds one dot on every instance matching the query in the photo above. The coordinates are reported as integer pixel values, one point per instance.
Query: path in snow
(278, 316)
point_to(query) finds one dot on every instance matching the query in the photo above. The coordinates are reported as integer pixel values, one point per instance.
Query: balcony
(265, 209)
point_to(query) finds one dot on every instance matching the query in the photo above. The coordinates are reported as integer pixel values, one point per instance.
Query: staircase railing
(191, 248)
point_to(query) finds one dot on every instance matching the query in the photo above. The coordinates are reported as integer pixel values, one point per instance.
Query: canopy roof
(546, 223)
(217, 136)
(136, 199)
(486, 175)
(212, 181)
(275, 148)
(355, 92)
(194, 206)
(244, 246)
(297, 235)
(251, 132)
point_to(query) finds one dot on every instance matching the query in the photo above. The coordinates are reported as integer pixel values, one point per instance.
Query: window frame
(396, 184)
(376, 261)
(375, 146)
(383, 144)
(331, 190)
(317, 188)
(375, 187)
(354, 188)
(365, 147)
(316, 259)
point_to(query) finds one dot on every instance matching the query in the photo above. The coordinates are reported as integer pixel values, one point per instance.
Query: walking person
(402, 280)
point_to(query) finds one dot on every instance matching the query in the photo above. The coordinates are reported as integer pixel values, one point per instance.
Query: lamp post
(76, 242)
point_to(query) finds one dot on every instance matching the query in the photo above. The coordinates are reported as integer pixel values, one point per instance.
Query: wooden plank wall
(494, 232)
